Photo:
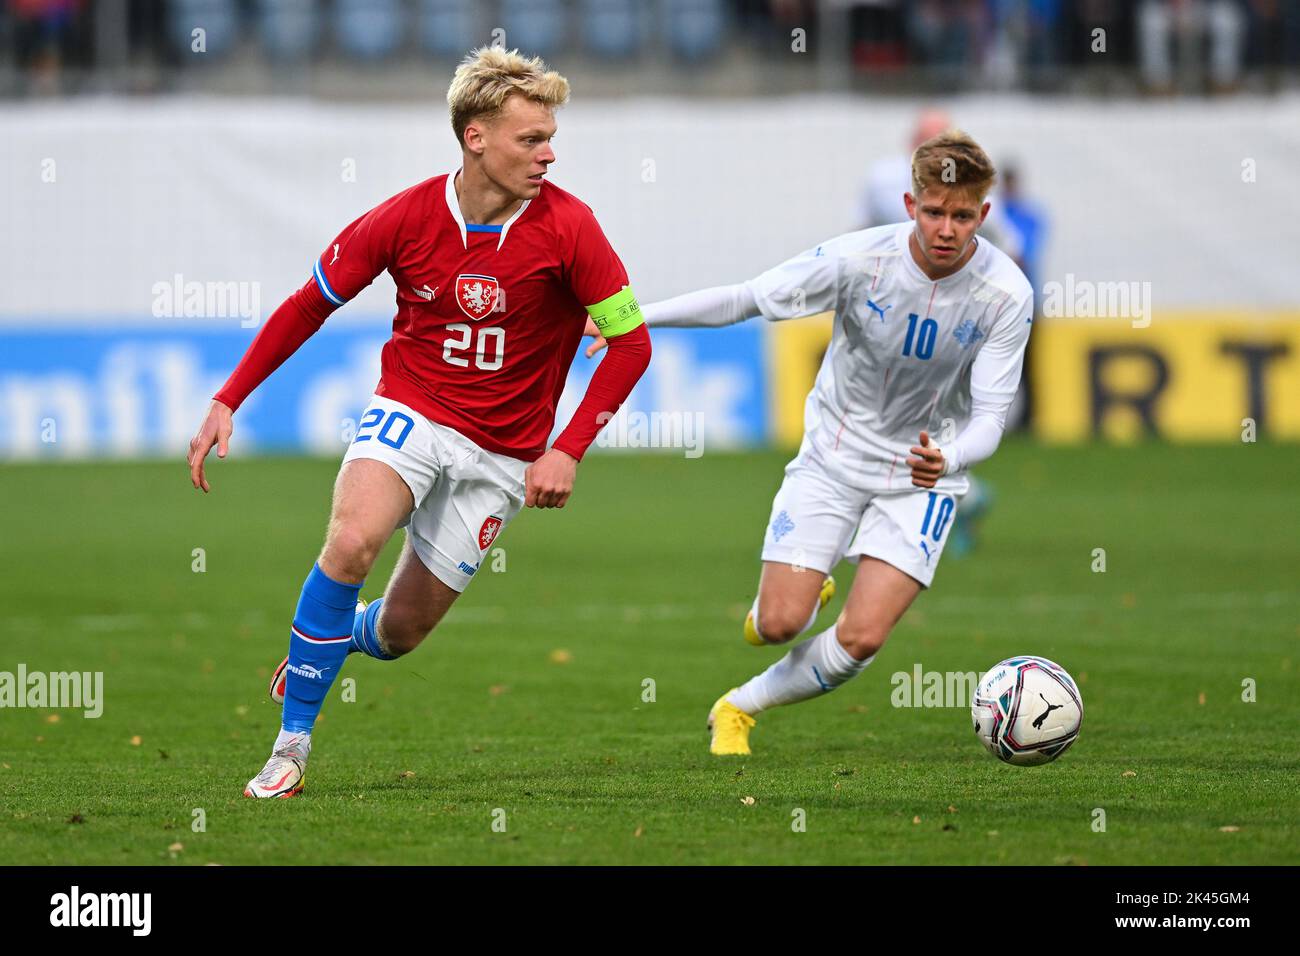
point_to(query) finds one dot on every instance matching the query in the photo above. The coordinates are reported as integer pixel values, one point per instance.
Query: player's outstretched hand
(600, 342)
(927, 466)
(548, 481)
(215, 430)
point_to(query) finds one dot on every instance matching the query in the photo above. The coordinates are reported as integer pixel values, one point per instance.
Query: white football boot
(284, 774)
(276, 690)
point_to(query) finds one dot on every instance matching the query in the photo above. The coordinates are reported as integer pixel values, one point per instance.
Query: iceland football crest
(967, 333)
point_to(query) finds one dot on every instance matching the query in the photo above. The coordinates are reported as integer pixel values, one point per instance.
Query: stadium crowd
(1153, 46)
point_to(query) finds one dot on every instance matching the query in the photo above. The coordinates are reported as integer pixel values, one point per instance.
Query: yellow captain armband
(617, 315)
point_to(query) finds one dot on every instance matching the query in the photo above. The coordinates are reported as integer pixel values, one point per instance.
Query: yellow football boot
(729, 727)
(751, 632)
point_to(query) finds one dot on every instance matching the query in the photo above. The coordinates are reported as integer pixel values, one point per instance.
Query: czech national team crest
(488, 533)
(477, 295)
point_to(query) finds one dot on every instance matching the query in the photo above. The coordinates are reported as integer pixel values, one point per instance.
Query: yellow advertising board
(1188, 376)
(1185, 376)
(795, 352)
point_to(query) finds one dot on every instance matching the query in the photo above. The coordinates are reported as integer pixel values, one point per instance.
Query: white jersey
(903, 347)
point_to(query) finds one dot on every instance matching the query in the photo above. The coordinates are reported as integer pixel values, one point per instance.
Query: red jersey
(488, 318)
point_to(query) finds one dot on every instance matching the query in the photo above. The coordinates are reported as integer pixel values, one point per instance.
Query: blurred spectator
(48, 34)
(879, 37)
(881, 201)
(1272, 36)
(1098, 34)
(1028, 221)
(767, 24)
(1026, 218)
(49, 46)
(947, 36)
(1042, 36)
(1184, 24)
(1025, 45)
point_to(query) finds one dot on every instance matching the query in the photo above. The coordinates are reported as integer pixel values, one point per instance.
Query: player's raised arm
(802, 286)
(349, 264)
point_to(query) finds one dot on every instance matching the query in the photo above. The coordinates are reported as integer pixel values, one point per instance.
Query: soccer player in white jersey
(930, 325)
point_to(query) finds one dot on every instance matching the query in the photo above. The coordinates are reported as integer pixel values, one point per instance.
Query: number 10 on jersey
(925, 340)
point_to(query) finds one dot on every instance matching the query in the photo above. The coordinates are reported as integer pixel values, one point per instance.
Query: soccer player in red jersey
(497, 271)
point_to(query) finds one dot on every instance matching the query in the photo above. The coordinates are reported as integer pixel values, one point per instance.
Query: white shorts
(817, 520)
(463, 494)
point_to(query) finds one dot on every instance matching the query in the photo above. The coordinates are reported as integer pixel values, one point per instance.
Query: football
(1027, 710)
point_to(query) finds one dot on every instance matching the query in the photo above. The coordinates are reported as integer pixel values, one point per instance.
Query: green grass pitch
(529, 697)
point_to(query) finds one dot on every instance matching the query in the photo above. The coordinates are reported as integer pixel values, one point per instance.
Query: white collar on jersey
(453, 206)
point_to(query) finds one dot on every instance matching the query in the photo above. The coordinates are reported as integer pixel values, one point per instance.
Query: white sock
(298, 741)
(812, 619)
(815, 667)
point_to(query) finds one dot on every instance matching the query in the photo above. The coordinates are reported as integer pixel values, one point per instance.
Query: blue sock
(364, 638)
(318, 645)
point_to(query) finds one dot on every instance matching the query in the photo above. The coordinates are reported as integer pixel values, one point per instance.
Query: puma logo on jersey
(336, 254)
(875, 308)
(426, 293)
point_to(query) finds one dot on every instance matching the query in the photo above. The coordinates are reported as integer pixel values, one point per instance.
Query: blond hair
(488, 76)
(952, 159)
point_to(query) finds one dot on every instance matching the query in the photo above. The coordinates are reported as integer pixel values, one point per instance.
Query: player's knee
(862, 638)
(398, 641)
(781, 621)
(402, 633)
(349, 552)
